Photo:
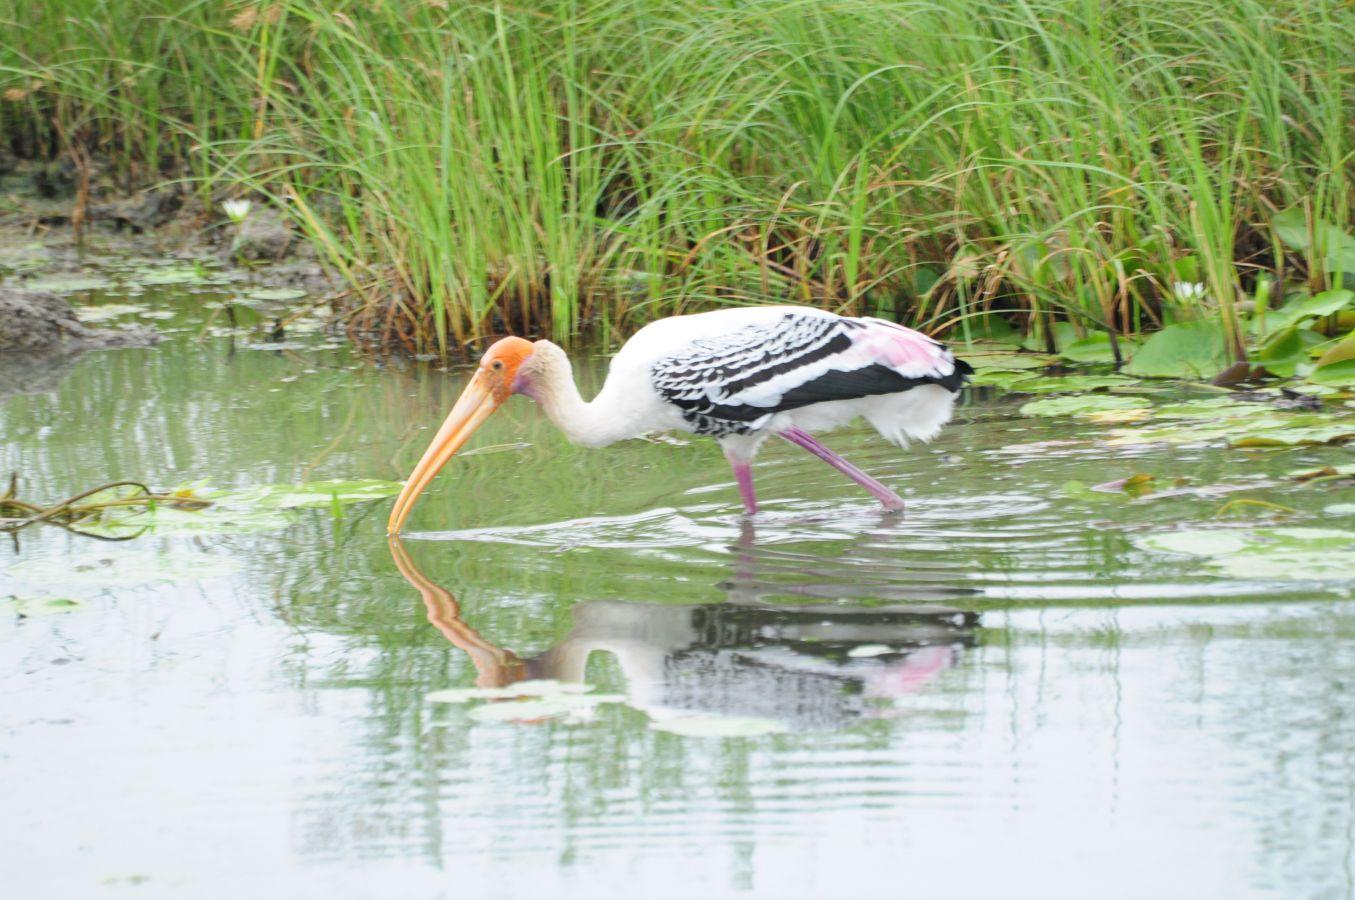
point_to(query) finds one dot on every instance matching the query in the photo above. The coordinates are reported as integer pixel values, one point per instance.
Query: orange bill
(476, 403)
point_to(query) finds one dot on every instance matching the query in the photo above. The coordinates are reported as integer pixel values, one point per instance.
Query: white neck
(552, 386)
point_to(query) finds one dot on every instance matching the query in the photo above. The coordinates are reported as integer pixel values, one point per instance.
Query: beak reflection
(802, 668)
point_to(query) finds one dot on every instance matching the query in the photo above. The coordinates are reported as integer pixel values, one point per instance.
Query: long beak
(475, 404)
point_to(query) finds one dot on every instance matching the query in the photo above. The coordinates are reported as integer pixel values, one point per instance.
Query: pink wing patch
(908, 352)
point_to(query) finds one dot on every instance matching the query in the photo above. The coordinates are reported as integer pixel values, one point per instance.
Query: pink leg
(743, 474)
(801, 438)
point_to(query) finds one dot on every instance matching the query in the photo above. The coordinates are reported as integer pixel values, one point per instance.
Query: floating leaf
(1342, 471)
(1211, 408)
(312, 494)
(868, 651)
(1294, 436)
(1082, 405)
(219, 518)
(178, 275)
(1189, 350)
(1051, 384)
(276, 294)
(1096, 348)
(24, 256)
(1137, 485)
(551, 706)
(715, 726)
(106, 311)
(1317, 554)
(1008, 362)
(466, 695)
(1002, 378)
(521, 710)
(68, 284)
(29, 607)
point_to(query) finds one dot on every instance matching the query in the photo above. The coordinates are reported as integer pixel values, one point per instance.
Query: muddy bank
(40, 339)
(49, 201)
(41, 321)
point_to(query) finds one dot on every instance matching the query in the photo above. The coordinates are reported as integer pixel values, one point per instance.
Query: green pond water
(1017, 688)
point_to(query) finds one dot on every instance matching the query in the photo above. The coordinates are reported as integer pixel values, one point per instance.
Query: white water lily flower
(1187, 291)
(236, 210)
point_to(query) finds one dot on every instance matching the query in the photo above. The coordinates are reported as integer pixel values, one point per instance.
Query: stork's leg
(743, 474)
(801, 438)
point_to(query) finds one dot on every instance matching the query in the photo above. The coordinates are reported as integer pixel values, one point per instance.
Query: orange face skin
(492, 384)
(499, 366)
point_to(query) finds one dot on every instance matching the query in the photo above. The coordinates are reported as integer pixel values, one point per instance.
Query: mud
(44, 321)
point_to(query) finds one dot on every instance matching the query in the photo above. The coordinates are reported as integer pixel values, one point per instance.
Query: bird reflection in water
(803, 667)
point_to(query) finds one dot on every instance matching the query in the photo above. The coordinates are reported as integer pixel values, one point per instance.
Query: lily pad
(68, 284)
(249, 511)
(107, 311)
(1008, 362)
(219, 518)
(276, 294)
(1096, 349)
(1211, 408)
(179, 275)
(1346, 470)
(544, 707)
(1002, 378)
(23, 257)
(1053, 384)
(1083, 405)
(1295, 436)
(311, 494)
(1304, 554)
(1189, 350)
(539, 687)
(716, 726)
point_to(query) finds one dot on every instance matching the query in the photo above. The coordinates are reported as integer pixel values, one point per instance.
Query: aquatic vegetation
(86, 508)
(28, 607)
(964, 167)
(530, 700)
(130, 509)
(1264, 553)
(68, 284)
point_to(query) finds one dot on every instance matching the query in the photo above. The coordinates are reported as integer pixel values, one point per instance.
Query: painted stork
(737, 375)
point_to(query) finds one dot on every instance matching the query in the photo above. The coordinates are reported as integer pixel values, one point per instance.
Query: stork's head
(493, 382)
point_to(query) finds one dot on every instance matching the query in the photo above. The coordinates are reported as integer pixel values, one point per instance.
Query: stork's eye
(496, 364)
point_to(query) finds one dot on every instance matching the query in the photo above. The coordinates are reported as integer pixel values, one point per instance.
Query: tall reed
(583, 166)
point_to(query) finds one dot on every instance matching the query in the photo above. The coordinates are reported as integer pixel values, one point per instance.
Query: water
(999, 694)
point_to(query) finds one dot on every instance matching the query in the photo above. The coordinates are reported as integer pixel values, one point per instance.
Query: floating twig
(16, 514)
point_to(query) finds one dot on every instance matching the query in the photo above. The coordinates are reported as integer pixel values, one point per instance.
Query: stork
(738, 375)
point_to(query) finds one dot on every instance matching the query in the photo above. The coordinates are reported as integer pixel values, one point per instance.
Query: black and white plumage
(743, 375)
(738, 375)
(735, 382)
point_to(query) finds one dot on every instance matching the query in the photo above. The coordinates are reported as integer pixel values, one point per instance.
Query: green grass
(584, 166)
